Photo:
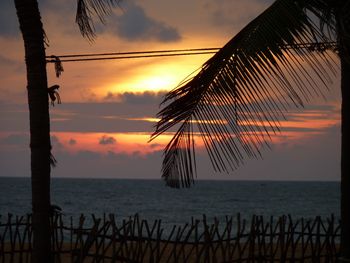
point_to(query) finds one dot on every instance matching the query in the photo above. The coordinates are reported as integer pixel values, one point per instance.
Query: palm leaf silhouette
(87, 10)
(240, 94)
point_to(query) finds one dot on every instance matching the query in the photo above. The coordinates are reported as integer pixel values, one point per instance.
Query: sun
(155, 77)
(155, 83)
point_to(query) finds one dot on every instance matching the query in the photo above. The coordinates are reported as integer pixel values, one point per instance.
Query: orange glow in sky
(155, 76)
(131, 142)
(126, 143)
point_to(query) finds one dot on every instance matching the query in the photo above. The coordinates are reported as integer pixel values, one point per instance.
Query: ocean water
(152, 200)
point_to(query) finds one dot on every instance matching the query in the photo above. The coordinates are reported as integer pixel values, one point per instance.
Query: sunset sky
(109, 108)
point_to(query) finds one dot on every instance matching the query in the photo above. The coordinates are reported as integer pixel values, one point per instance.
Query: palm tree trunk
(33, 35)
(345, 160)
(343, 21)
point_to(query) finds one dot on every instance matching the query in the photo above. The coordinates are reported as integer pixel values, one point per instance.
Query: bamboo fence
(134, 240)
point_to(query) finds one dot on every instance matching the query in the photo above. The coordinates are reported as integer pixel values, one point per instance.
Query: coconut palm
(283, 58)
(34, 42)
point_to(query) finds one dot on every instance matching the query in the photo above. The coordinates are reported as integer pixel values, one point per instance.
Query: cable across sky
(131, 55)
(166, 53)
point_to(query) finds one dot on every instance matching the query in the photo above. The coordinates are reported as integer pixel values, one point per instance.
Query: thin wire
(128, 57)
(137, 52)
(169, 53)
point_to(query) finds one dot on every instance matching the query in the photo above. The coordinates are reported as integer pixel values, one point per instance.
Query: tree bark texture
(345, 161)
(33, 35)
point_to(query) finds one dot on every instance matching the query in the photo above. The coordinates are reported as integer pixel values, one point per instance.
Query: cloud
(107, 140)
(8, 19)
(135, 111)
(16, 139)
(147, 97)
(11, 67)
(86, 155)
(155, 145)
(135, 24)
(112, 96)
(72, 142)
(7, 61)
(56, 144)
(307, 160)
(143, 98)
(86, 117)
(221, 12)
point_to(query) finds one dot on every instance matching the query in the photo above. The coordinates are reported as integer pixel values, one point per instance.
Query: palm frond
(88, 9)
(247, 87)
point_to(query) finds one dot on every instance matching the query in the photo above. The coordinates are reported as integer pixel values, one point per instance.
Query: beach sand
(172, 252)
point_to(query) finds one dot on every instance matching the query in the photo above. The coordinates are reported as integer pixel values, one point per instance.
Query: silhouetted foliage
(237, 99)
(240, 95)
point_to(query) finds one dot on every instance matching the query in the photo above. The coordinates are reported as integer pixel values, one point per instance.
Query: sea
(152, 200)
